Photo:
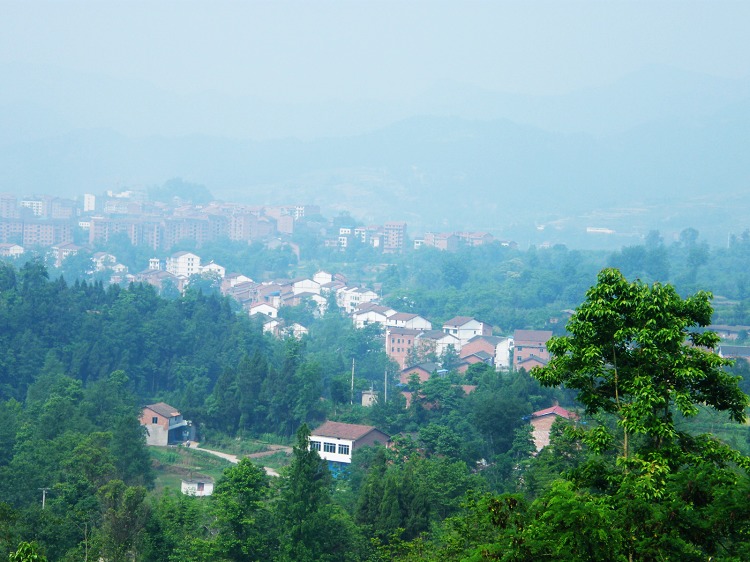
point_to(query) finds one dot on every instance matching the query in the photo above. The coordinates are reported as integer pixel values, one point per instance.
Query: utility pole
(385, 386)
(351, 396)
(44, 496)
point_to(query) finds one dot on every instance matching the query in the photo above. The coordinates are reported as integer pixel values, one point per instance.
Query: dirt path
(271, 450)
(234, 459)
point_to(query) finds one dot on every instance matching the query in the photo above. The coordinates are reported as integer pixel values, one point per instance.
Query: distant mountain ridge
(431, 170)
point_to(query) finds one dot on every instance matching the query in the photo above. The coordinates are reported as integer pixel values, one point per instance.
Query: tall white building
(183, 264)
(89, 203)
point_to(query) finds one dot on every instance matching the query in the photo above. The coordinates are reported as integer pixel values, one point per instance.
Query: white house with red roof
(542, 421)
(336, 441)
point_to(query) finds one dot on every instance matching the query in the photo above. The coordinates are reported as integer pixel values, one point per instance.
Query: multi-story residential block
(89, 203)
(8, 206)
(394, 237)
(37, 232)
(38, 207)
(183, 264)
(249, 226)
(58, 208)
(140, 231)
(199, 229)
(399, 343)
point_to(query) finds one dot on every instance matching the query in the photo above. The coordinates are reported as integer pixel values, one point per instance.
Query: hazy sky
(316, 50)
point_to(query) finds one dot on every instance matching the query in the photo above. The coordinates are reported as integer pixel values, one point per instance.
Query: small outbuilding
(197, 487)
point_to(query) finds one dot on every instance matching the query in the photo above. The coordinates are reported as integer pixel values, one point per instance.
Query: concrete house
(408, 320)
(466, 327)
(305, 285)
(213, 267)
(8, 250)
(496, 346)
(530, 348)
(264, 308)
(349, 298)
(542, 421)
(437, 342)
(423, 371)
(63, 251)
(336, 441)
(164, 425)
(371, 313)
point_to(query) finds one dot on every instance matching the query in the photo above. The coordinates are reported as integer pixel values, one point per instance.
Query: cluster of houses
(334, 441)
(419, 348)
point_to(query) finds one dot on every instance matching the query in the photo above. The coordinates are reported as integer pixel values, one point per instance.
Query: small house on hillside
(422, 370)
(164, 425)
(197, 487)
(542, 421)
(336, 441)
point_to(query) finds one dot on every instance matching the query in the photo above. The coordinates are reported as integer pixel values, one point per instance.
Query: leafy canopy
(639, 351)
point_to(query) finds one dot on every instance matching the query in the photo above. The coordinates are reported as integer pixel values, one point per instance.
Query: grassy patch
(243, 446)
(173, 464)
(276, 461)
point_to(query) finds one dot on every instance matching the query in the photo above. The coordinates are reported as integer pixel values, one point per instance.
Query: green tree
(311, 527)
(305, 490)
(242, 518)
(637, 351)
(27, 552)
(638, 354)
(124, 516)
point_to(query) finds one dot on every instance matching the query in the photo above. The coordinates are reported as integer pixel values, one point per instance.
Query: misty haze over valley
(654, 143)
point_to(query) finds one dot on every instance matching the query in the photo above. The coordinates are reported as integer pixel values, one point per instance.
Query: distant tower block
(89, 203)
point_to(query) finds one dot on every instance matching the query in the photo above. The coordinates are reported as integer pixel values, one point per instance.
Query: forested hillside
(633, 478)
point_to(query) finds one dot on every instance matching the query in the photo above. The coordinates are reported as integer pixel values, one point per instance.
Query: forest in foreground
(638, 478)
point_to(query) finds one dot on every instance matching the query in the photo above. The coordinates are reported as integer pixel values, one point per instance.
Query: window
(329, 447)
(315, 445)
(343, 449)
(154, 420)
